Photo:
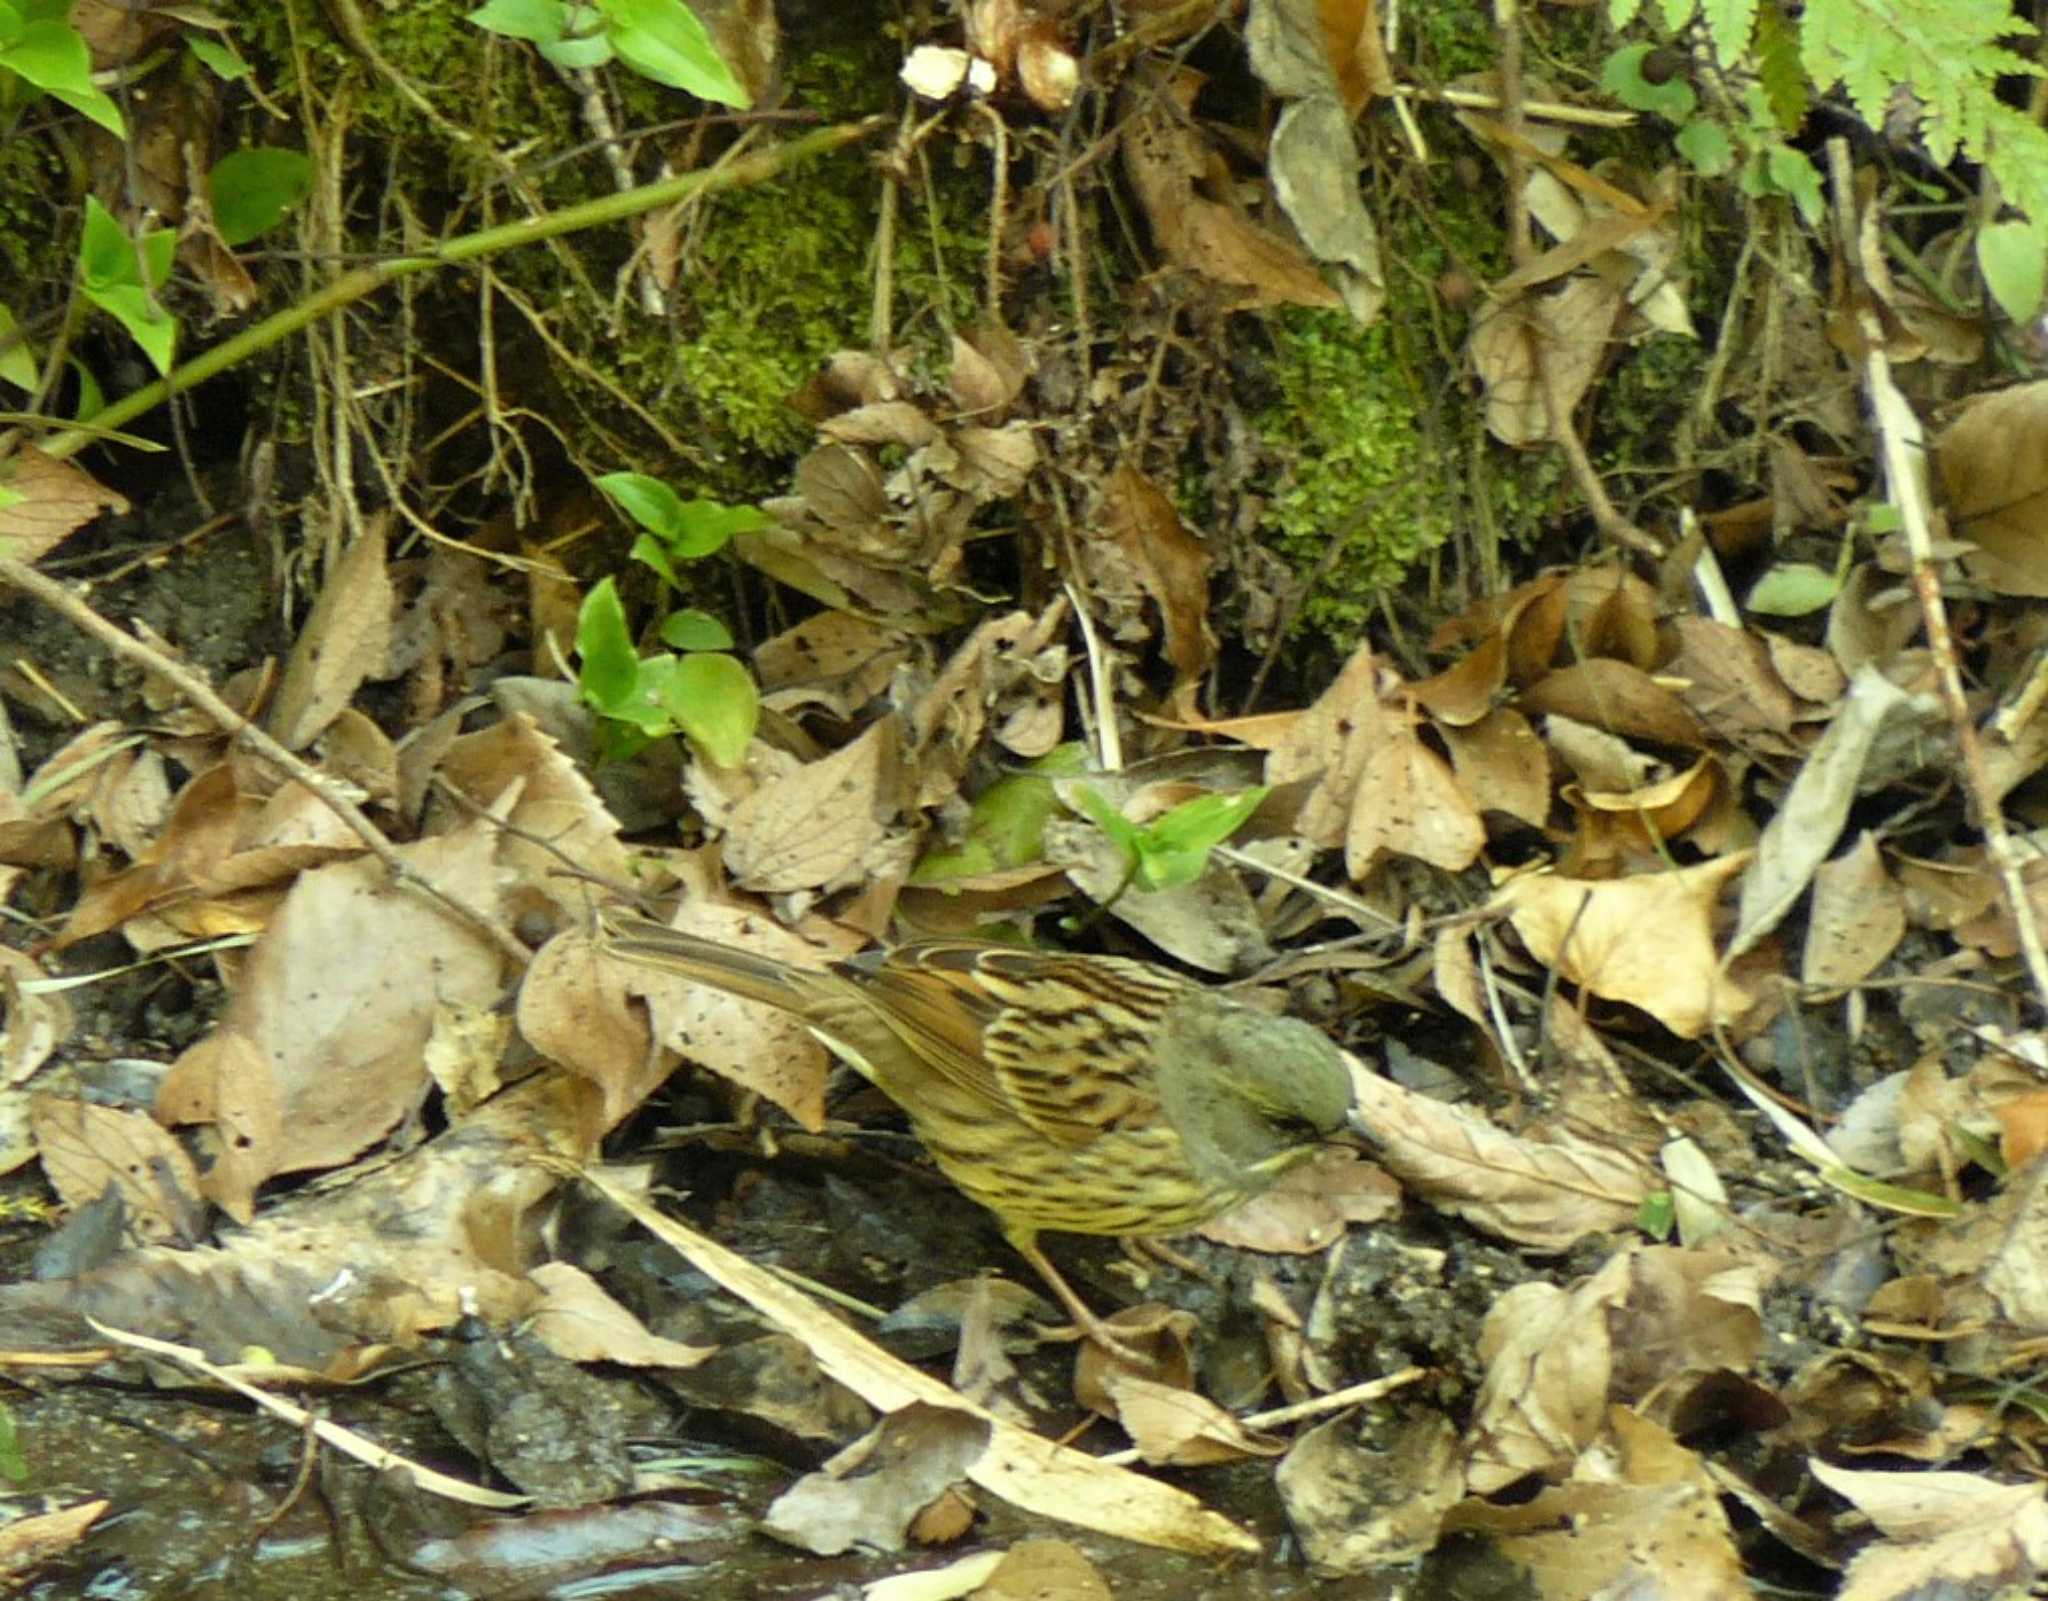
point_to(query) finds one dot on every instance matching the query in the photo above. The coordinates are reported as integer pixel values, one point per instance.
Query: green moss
(1345, 424)
(780, 278)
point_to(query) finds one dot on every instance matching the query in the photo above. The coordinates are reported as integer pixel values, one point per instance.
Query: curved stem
(354, 285)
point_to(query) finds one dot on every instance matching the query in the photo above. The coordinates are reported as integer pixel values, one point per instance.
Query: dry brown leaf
(1044, 1570)
(1465, 692)
(1502, 765)
(33, 1021)
(1173, 566)
(579, 1322)
(130, 801)
(757, 1047)
(1547, 1195)
(343, 1038)
(1880, 732)
(330, 1282)
(870, 1493)
(886, 422)
(1640, 1516)
(1993, 462)
(990, 365)
(574, 1008)
(1358, 1509)
(1618, 698)
(988, 463)
(1944, 1533)
(343, 643)
(1641, 820)
(523, 778)
(1732, 685)
(85, 1148)
(57, 499)
(1594, 933)
(358, 752)
(1565, 331)
(1330, 743)
(223, 1081)
(35, 1539)
(817, 827)
(1857, 918)
(1164, 159)
(1408, 803)
(1174, 1427)
(465, 1055)
(1556, 1358)
(1310, 1206)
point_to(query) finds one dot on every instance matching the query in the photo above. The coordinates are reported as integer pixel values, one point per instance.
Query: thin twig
(1315, 1406)
(1905, 466)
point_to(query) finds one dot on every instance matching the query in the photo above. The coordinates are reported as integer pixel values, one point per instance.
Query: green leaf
(714, 700)
(17, 360)
(706, 525)
(218, 56)
(1657, 1216)
(253, 189)
(1107, 818)
(1793, 589)
(648, 501)
(1704, 145)
(1005, 825)
(2013, 257)
(1174, 848)
(1206, 820)
(1622, 77)
(148, 324)
(159, 252)
(542, 21)
(106, 255)
(665, 41)
(578, 54)
(91, 400)
(13, 1465)
(653, 553)
(611, 666)
(691, 629)
(47, 52)
(687, 528)
(1792, 174)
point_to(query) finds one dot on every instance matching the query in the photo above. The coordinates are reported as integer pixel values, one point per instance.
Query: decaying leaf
(1593, 932)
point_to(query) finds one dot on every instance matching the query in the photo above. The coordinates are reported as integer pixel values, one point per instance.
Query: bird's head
(1250, 1092)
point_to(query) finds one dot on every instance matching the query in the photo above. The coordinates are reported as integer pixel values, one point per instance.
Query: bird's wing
(1009, 1026)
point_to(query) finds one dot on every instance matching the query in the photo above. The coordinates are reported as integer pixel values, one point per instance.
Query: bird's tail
(704, 961)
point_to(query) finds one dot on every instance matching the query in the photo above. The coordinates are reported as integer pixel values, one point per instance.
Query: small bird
(1089, 1094)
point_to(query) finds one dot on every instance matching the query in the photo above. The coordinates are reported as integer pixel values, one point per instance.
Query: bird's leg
(1086, 1324)
(1140, 1246)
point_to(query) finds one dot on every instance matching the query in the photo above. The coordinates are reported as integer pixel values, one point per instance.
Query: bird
(1077, 1093)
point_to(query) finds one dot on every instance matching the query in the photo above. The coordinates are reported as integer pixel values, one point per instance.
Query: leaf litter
(1714, 1043)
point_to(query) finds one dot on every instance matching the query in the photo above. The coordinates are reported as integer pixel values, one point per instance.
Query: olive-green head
(1251, 1093)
